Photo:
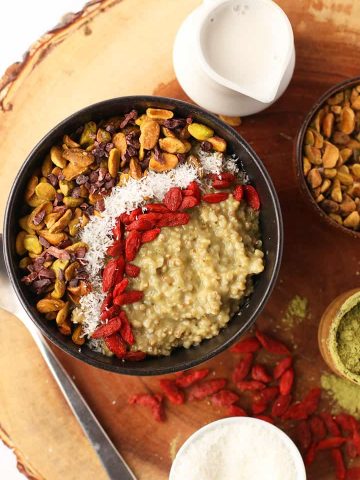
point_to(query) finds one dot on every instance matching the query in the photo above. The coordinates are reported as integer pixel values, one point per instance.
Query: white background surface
(22, 23)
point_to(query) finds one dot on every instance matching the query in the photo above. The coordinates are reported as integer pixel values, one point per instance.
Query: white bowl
(235, 57)
(194, 448)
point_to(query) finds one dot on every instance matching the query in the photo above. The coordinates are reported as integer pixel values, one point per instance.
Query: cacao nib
(58, 253)
(64, 243)
(28, 279)
(181, 157)
(129, 117)
(82, 179)
(39, 217)
(76, 192)
(61, 274)
(94, 176)
(110, 184)
(109, 146)
(53, 179)
(46, 273)
(206, 146)
(100, 205)
(74, 282)
(44, 242)
(80, 252)
(175, 123)
(39, 286)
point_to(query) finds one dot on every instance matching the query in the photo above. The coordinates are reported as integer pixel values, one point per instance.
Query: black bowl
(271, 228)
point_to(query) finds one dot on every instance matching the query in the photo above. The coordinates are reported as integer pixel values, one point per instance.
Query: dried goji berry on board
(329, 443)
(108, 276)
(132, 245)
(154, 402)
(353, 473)
(120, 287)
(236, 411)
(116, 345)
(252, 197)
(248, 345)
(281, 367)
(330, 423)
(272, 345)
(189, 202)
(108, 328)
(128, 297)
(141, 224)
(286, 382)
(238, 193)
(259, 373)
(250, 385)
(224, 398)
(172, 391)
(173, 199)
(135, 356)
(126, 330)
(132, 270)
(215, 197)
(150, 235)
(242, 369)
(280, 405)
(157, 208)
(173, 219)
(204, 389)
(303, 435)
(265, 418)
(339, 464)
(186, 379)
(317, 427)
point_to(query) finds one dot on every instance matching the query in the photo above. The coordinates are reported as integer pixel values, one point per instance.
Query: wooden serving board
(115, 48)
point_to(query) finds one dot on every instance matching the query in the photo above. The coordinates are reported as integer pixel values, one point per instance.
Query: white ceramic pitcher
(235, 57)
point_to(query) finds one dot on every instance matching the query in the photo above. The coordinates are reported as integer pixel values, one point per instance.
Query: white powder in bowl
(238, 449)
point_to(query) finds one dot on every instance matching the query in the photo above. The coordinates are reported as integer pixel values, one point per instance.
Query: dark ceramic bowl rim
(299, 149)
(122, 369)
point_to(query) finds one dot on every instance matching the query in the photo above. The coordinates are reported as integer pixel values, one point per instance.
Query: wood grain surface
(116, 48)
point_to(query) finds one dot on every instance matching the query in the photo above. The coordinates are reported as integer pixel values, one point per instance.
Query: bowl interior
(299, 153)
(270, 220)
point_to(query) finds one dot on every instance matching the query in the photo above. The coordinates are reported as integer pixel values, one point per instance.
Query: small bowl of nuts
(328, 156)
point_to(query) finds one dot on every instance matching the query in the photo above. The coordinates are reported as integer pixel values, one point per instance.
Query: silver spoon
(111, 459)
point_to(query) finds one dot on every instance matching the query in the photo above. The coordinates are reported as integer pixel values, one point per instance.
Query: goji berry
(157, 208)
(265, 418)
(141, 224)
(311, 400)
(238, 193)
(303, 435)
(259, 373)
(154, 402)
(280, 405)
(172, 391)
(236, 411)
(120, 287)
(109, 313)
(228, 176)
(152, 217)
(126, 330)
(302, 410)
(355, 433)
(173, 219)
(119, 274)
(224, 398)
(116, 345)
(173, 199)
(150, 235)
(108, 276)
(221, 184)
(259, 406)
(134, 214)
(204, 389)
(310, 454)
(351, 450)
(186, 379)
(132, 270)
(286, 382)
(272, 345)
(189, 202)
(252, 197)
(339, 463)
(242, 369)
(248, 345)
(124, 218)
(344, 421)
(317, 427)
(215, 197)
(270, 393)
(329, 443)
(250, 385)
(132, 245)
(281, 367)
(128, 297)
(135, 356)
(107, 329)
(331, 425)
(194, 188)
(353, 473)
(115, 249)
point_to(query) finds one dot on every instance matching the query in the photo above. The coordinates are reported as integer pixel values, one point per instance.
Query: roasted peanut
(314, 178)
(45, 191)
(89, 134)
(63, 222)
(353, 220)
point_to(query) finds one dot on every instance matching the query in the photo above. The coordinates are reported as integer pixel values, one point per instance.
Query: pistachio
(336, 193)
(347, 205)
(77, 336)
(167, 132)
(172, 145)
(72, 202)
(59, 289)
(65, 187)
(200, 132)
(74, 226)
(88, 134)
(218, 144)
(169, 161)
(45, 191)
(232, 121)
(71, 171)
(325, 185)
(24, 224)
(47, 166)
(70, 271)
(56, 155)
(313, 154)
(30, 187)
(35, 219)
(330, 155)
(306, 166)
(352, 220)
(62, 223)
(63, 313)
(25, 262)
(75, 246)
(141, 119)
(345, 178)
(53, 238)
(327, 124)
(124, 177)
(20, 244)
(309, 137)
(114, 162)
(59, 265)
(135, 169)
(347, 118)
(69, 142)
(314, 178)
(150, 131)
(51, 218)
(159, 114)
(47, 305)
(79, 157)
(330, 172)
